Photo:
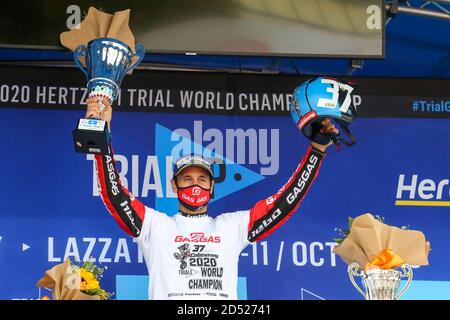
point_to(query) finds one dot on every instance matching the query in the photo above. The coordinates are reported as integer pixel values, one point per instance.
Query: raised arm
(128, 211)
(269, 214)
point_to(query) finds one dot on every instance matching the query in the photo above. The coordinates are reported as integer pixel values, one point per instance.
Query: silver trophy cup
(107, 62)
(380, 284)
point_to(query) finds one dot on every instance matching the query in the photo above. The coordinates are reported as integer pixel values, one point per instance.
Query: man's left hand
(328, 127)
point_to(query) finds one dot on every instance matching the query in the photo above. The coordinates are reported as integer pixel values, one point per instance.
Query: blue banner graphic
(51, 209)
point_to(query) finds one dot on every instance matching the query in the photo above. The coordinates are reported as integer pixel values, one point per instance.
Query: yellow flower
(88, 281)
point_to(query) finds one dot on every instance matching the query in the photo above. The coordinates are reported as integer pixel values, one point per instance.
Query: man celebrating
(191, 255)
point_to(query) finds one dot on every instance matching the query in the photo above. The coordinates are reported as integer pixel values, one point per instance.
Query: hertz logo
(424, 192)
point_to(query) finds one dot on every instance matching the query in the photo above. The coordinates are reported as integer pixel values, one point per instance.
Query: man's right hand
(96, 110)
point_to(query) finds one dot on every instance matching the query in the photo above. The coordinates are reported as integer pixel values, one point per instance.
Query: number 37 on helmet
(320, 98)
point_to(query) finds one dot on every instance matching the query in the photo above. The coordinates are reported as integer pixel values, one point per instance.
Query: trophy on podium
(381, 284)
(108, 60)
(382, 255)
(104, 50)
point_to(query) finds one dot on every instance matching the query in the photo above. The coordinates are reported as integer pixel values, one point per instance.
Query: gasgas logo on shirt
(419, 191)
(197, 237)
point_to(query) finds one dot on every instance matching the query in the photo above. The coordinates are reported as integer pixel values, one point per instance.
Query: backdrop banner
(51, 208)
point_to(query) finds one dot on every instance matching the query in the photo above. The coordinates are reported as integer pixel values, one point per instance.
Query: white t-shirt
(193, 258)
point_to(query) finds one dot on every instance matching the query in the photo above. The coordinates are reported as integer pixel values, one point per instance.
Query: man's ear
(174, 186)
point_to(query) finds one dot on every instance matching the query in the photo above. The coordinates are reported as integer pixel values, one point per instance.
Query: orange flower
(387, 259)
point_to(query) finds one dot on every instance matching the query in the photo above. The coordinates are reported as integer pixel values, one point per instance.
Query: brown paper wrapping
(368, 237)
(98, 24)
(64, 283)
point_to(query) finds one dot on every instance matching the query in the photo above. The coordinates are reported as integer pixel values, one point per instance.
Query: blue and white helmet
(320, 98)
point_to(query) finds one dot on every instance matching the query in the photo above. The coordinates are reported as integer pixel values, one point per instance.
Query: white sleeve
(237, 221)
(152, 219)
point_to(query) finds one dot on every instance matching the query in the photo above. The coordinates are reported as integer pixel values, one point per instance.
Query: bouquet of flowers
(90, 279)
(373, 250)
(70, 281)
(372, 243)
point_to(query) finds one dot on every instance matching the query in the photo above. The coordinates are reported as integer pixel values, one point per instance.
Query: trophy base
(91, 136)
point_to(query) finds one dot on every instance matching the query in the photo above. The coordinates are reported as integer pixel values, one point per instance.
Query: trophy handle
(80, 51)
(353, 271)
(140, 52)
(407, 272)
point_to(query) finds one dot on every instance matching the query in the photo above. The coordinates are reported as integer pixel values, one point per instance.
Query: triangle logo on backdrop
(230, 177)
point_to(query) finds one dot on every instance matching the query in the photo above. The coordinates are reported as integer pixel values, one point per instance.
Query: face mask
(194, 197)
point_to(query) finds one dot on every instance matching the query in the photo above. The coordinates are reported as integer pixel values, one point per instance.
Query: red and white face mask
(194, 197)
